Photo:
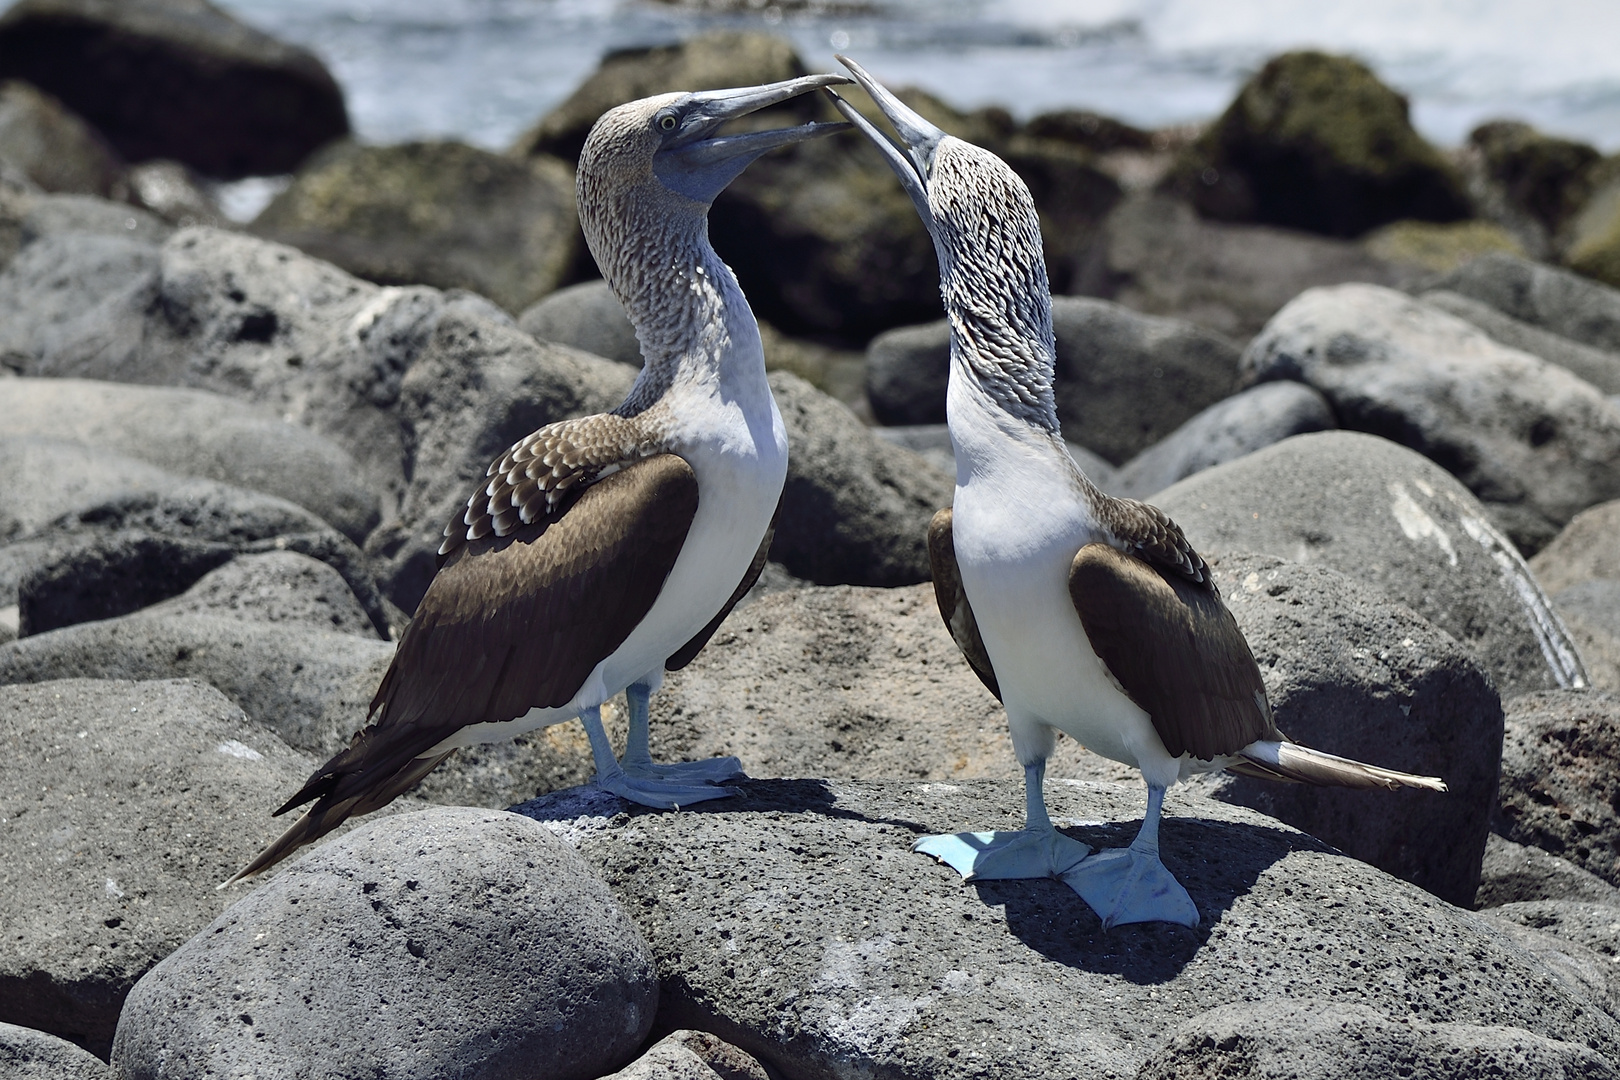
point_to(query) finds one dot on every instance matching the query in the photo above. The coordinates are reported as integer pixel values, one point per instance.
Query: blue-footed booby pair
(604, 550)
(1084, 613)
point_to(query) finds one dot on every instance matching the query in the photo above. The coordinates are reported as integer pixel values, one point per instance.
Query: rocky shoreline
(1377, 383)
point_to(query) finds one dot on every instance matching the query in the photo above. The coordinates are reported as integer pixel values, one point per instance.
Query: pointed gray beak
(913, 160)
(699, 164)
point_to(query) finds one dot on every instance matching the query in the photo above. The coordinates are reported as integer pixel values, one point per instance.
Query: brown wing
(1176, 651)
(688, 652)
(953, 602)
(1144, 530)
(518, 622)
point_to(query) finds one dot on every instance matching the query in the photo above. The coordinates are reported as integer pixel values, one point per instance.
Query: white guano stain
(1548, 629)
(1416, 523)
(232, 748)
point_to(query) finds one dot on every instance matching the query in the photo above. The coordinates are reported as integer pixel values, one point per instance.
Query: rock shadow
(1217, 861)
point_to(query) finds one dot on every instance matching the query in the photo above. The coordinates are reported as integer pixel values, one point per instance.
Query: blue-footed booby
(1084, 613)
(602, 551)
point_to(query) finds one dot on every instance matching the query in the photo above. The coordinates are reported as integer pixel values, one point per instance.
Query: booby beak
(699, 164)
(913, 160)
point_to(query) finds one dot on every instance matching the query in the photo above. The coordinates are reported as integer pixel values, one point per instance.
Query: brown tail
(1291, 762)
(326, 815)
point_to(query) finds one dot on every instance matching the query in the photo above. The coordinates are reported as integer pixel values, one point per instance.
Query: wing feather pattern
(1175, 649)
(953, 602)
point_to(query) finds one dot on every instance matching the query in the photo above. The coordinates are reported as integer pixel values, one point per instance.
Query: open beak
(700, 164)
(913, 159)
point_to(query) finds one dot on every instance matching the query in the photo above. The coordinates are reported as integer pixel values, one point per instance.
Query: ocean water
(483, 70)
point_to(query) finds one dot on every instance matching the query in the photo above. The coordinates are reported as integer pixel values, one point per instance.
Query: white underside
(1018, 521)
(735, 442)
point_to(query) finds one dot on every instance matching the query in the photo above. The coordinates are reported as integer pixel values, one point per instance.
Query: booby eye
(666, 122)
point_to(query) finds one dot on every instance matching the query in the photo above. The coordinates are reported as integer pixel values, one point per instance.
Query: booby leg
(638, 760)
(1036, 851)
(1131, 885)
(648, 791)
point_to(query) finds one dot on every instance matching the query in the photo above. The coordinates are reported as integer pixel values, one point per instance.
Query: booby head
(987, 237)
(664, 158)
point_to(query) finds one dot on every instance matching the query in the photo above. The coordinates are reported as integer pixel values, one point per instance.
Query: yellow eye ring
(667, 123)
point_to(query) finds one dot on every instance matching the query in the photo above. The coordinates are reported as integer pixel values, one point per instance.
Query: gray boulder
(1394, 520)
(196, 433)
(838, 951)
(438, 213)
(855, 509)
(1156, 255)
(184, 81)
(40, 215)
(907, 370)
(1600, 367)
(1581, 970)
(1524, 435)
(26, 1054)
(102, 577)
(127, 803)
(489, 950)
(53, 147)
(1515, 874)
(1350, 673)
(1321, 1039)
(1595, 926)
(588, 317)
(1243, 423)
(1584, 551)
(692, 1055)
(1559, 788)
(1549, 297)
(277, 587)
(78, 302)
(1591, 611)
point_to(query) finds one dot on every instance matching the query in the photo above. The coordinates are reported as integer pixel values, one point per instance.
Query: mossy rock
(1442, 248)
(711, 61)
(1540, 175)
(1594, 246)
(1317, 142)
(434, 213)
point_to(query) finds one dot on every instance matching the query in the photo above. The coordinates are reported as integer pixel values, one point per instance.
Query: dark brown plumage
(953, 602)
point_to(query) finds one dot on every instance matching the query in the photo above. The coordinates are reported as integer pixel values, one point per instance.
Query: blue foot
(712, 771)
(662, 794)
(1127, 885)
(1006, 856)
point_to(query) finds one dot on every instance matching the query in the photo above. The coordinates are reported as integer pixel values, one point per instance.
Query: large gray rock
(1591, 611)
(1353, 674)
(78, 302)
(54, 148)
(837, 951)
(278, 587)
(126, 804)
(1524, 435)
(450, 942)
(1552, 298)
(1560, 789)
(26, 1054)
(1156, 255)
(1581, 969)
(1584, 551)
(196, 433)
(1227, 430)
(1600, 367)
(692, 1055)
(586, 316)
(103, 577)
(1320, 1039)
(1123, 380)
(1515, 873)
(1593, 925)
(438, 213)
(1396, 521)
(177, 80)
(855, 509)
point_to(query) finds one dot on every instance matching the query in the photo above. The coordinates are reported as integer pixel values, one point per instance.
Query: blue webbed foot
(1006, 856)
(711, 771)
(655, 792)
(1129, 885)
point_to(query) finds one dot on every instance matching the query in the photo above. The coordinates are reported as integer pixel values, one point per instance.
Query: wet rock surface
(489, 950)
(1559, 787)
(1520, 433)
(1393, 520)
(127, 802)
(1353, 674)
(806, 958)
(177, 80)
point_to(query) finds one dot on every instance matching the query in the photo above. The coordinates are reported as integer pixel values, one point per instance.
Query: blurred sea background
(483, 70)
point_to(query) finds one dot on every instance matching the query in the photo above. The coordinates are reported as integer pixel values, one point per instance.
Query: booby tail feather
(1287, 761)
